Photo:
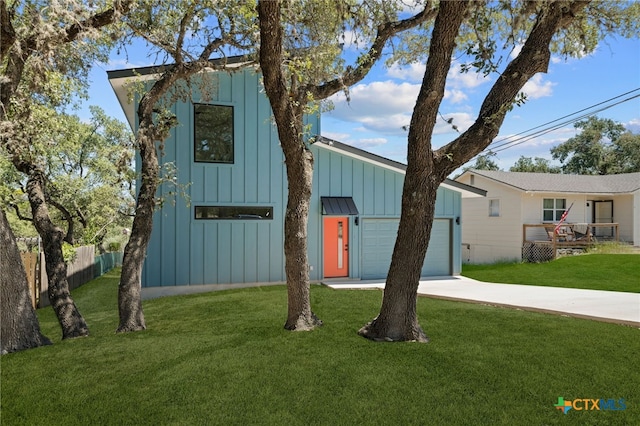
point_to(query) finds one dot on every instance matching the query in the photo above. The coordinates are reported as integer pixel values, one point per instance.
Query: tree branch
(17, 209)
(533, 58)
(66, 216)
(7, 32)
(366, 61)
(98, 20)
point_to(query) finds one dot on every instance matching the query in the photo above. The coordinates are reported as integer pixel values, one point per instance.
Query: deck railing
(541, 241)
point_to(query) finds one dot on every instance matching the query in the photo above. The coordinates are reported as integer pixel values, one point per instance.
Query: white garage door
(379, 237)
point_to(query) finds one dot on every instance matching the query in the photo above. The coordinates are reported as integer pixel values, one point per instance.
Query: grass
(613, 272)
(224, 358)
(611, 248)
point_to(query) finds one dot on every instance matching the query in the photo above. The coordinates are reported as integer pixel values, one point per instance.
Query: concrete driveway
(608, 306)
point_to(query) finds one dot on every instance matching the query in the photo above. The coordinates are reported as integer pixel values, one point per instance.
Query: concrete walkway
(608, 306)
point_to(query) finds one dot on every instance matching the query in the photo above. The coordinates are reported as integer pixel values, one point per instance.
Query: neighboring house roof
(552, 182)
(467, 191)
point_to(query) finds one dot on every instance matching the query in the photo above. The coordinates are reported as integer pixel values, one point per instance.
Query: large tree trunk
(19, 327)
(398, 319)
(71, 322)
(426, 170)
(151, 129)
(300, 175)
(130, 287)
(288, 113)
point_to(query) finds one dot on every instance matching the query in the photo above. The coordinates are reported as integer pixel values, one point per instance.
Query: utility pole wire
(509, 142)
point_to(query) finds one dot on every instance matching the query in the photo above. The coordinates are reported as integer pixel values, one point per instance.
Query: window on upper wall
(234, 212)
(213, 133)
(494, 208)
(553, 208)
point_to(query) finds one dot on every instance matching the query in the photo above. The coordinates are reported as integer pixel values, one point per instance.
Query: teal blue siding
(377, 193)
(186, 251)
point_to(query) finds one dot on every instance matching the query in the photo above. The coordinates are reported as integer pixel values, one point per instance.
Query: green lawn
(223, 358)
(614, 272)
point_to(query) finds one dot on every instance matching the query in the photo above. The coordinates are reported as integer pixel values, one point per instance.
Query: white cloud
(461, 120)
(369, 143)
(455, 96)
(381, 106)
(520, 143)
(633, 125)
(536, 87)
(336, 136)
(468, 80)
(516, 50)
(412, 72)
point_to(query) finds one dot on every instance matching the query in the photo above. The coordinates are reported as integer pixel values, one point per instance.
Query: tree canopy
(476, 30)
(46, 51)
(89, 172)
(483, 162)
(534, 165)
(602, 147)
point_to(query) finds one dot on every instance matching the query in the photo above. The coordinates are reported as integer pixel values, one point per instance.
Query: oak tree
(602, 147)
(300, 59)
(19, 327)
(46, 51)
(477, 28)
(186, 35)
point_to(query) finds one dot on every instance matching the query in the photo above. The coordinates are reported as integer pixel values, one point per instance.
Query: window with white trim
(553, 208)
(494, 207)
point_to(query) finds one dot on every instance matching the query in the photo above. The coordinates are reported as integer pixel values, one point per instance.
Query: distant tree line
(602, 147)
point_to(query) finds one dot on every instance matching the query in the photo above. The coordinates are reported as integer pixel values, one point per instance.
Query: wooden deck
(569, 235)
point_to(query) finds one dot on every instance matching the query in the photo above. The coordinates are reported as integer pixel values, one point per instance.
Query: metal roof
(554, 182)
(339, 206)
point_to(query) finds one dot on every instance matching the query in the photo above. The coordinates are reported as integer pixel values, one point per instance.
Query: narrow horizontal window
(213, 133)
(234, 212)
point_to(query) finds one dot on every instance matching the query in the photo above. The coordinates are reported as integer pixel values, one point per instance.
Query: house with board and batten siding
(230, 227)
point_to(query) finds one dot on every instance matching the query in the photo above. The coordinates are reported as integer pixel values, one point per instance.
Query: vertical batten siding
(379, 176)
(188, 251)
(242, 141)
(377, 193)
(250, 138)
(184, 134)
(250, 253)
(197, 238)
(168, 242)
(238, 260)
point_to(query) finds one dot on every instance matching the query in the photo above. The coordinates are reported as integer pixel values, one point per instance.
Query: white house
(493, 225)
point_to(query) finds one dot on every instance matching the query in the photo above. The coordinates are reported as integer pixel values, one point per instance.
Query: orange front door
(336, 247)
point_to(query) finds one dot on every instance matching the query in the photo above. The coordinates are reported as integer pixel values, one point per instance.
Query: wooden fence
(85, 267)
(32, 268)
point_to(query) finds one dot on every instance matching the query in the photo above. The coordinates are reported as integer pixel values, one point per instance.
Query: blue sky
(382, 103)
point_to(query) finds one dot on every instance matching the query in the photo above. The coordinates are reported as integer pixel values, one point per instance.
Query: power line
(515, 142)
(509, 142)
